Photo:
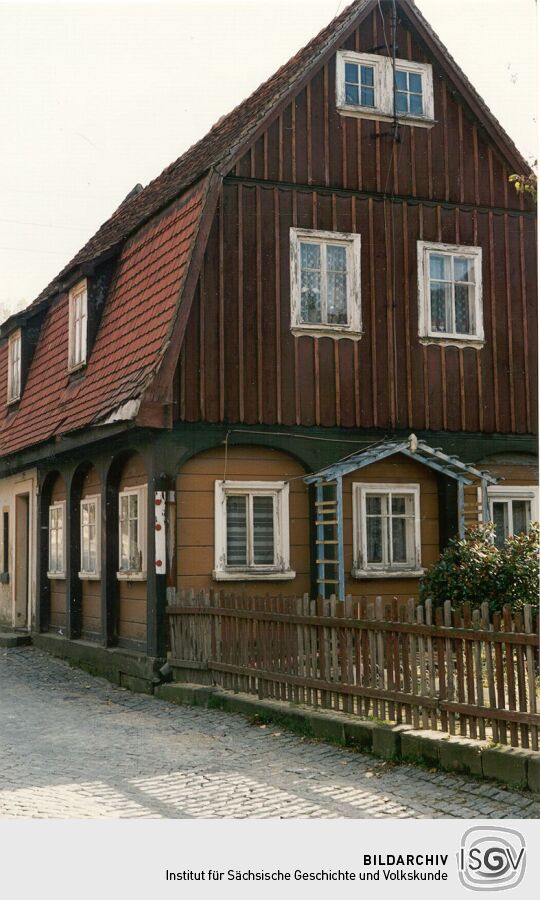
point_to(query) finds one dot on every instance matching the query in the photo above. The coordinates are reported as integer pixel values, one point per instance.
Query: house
(299, 360)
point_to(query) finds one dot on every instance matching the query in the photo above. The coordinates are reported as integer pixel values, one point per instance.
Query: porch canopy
(329, 498)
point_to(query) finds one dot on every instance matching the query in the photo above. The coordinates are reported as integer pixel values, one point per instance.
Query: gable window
(14, 366)
(251, 530)
(366, 85)
(78, 317)
(325, 283)
(90, 538)
(450, 293)
(359, 84)
(132, 534)
(409, 93)
(386, 530)
(512, 509)
(57, 540)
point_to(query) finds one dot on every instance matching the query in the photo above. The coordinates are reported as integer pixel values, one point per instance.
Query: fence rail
(461, 671)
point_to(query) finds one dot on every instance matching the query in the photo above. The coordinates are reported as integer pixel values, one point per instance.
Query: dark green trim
(378, 195)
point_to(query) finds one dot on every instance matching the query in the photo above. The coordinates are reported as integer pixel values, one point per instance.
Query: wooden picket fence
(460, 671)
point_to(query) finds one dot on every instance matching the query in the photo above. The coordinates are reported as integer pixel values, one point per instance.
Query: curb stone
(512, 766)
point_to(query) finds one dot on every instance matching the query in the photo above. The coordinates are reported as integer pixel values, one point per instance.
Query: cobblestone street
(73, 746)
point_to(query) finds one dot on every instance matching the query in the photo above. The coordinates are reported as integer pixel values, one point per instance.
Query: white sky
(95, 97)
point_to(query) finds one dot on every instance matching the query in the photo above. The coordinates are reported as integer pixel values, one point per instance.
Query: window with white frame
(14, 366)
(132, 533)
(90, 537)
(450, 293)
(325, 283)
(366, 86)
(512, 509)
(386, 529)
(251, 530)
(78, 319)
(57, 540)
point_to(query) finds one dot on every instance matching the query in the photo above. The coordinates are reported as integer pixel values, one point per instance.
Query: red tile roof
(137, 318)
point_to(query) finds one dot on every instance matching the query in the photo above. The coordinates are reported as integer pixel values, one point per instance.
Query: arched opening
(53, 556)
(243, 522)
(127, 504)
(85, 550)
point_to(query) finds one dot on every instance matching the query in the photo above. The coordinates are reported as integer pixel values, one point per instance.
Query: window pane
(398, 506)
(399, 540)
(415, 82)
(133, 506)
(374, 539)
(521, 516)
(124, 545)
(236, 531)
(500, 519)
(134, 555)
(439, 267)
(367, 76)
(416, 105)
(401, 103)
(440, 306)
(368, 96)
(124, 507)
(351, 94)
(337, 299)
(463, 269)
(463, 310)
(373, 506)
(401, 80)
(336, 258)
(263, 531)
(85, 517)
(351, 73)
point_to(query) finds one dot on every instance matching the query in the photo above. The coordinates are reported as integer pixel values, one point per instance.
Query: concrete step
(13, 639)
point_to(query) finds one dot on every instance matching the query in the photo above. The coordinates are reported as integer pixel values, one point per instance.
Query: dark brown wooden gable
(311, 143)
(312, 168)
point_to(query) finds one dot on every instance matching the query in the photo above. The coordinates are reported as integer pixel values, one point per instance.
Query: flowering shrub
(473, 569)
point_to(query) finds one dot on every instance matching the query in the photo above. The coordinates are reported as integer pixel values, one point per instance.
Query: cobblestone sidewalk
(73, 746)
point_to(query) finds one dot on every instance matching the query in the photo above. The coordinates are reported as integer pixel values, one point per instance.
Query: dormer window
(14, 366)
(365, 88)
(78, 320)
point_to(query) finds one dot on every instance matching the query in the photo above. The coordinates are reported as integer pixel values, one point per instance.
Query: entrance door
(22, 546)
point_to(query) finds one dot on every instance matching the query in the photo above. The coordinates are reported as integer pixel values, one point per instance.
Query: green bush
(473, 569)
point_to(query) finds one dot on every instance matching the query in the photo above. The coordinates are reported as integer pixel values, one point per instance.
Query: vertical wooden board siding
(286, 207)
(529, 277)
(91, 589)
(230, 302)
(211, 344)
(195, 510)
(57, 586)
(132, 595)
(318, 149)
(395, 470)
(251, 354)
(500, 326)
(300, 138)
(194, 350)
(269, 324)
(417, 368)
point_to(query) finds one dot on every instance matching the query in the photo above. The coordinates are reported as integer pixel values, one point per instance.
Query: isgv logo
(491, 858)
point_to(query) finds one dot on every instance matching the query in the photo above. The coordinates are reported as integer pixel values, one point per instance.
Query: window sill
(131, 576)
(56, 576)
(377, 116)
(375, 574)
(90, 576)
(244, 575)
(13, 401)
(446, 341)
(336, 332)
(77, 369)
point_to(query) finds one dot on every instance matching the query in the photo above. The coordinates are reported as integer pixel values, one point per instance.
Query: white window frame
(352, 243)
(384, 88)
(78, 324)
(427, 335)
(134, 574)
(57, 573)
(281, 570)
(85, 574)
(14, 366)
(506, 493)
(363, 569)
